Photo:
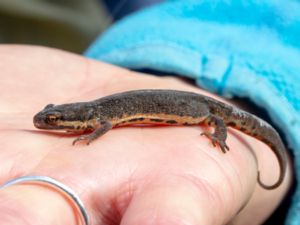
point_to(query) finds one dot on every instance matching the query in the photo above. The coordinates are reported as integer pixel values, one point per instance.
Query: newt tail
(261, 130)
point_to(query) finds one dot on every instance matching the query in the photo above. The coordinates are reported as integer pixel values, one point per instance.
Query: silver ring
(61, 187)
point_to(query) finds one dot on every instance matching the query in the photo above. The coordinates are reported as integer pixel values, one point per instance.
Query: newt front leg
(104, 126)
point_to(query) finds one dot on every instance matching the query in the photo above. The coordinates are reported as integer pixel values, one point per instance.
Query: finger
(33, 204)
(174, 204)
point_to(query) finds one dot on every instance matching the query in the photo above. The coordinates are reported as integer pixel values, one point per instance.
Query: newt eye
(51, 118)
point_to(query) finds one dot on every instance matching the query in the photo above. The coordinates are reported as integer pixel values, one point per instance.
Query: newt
(161, 107)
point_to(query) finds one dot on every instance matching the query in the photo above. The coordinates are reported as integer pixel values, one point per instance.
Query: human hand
(129, 176)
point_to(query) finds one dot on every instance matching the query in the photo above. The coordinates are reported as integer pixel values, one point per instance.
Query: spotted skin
(161, 107)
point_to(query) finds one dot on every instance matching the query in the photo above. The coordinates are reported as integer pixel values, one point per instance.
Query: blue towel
(233, 48)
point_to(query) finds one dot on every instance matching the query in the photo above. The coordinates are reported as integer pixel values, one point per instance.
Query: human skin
(131, 175)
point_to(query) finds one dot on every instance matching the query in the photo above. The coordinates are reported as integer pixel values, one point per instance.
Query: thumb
(177, 202)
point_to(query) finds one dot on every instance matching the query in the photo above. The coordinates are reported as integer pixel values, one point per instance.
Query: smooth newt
(163, 107)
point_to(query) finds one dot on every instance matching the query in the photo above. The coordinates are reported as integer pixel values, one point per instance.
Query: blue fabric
(233, 48)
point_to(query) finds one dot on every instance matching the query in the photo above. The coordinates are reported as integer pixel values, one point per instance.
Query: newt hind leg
(220, 134)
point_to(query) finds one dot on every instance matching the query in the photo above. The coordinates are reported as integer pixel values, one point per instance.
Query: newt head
(61, 117)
